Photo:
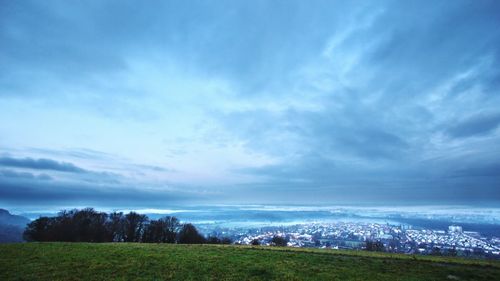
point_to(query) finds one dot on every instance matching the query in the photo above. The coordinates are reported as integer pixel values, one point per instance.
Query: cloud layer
(258, 102)
(40, 164)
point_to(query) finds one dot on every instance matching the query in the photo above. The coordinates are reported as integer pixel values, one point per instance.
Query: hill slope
(80, 261)
(10, 219)
(11, 227)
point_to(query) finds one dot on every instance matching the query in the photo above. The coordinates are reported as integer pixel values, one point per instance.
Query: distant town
(236, 227)
(453, 241)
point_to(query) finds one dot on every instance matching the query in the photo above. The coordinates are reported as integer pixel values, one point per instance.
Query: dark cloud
(40, 164)
(23, 175)
(304, 168)
(477, 125)
(27, 191)
(81, 153)
(154, 168)
(71, 171)
(372, 191)
(79, 187)
(486, 170)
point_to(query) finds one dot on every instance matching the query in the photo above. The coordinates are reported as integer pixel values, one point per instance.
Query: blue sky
(159, 103)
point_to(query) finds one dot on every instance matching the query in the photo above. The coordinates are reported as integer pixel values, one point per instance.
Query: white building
(455, 229)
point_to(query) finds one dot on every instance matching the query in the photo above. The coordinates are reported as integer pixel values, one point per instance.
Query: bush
(278, 241)
(88, 225)
(375, 246)
(255, 242)
(189, 235)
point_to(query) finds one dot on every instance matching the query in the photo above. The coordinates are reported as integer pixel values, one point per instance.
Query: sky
(151, 104)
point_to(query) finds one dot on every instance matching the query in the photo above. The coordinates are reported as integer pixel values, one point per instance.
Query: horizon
(264, 207)
(122, 105)
(251, 216)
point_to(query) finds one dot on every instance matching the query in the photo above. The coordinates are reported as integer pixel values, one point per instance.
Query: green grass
(122, 261)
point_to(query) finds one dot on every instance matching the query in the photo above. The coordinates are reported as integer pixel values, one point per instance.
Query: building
(454, 229)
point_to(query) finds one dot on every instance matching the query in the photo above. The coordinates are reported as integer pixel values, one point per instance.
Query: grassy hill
(123, 261)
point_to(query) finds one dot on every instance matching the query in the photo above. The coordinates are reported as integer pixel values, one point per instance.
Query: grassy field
(81, 261)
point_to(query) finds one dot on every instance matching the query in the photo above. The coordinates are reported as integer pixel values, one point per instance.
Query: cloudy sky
(162, 103)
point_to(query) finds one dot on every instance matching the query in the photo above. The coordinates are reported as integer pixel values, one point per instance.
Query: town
(352, 235)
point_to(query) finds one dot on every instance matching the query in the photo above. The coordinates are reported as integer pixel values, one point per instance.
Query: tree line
(89, 225)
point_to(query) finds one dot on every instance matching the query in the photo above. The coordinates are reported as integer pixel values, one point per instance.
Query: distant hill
(10, 219)
(140, 261)
(11, 227)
